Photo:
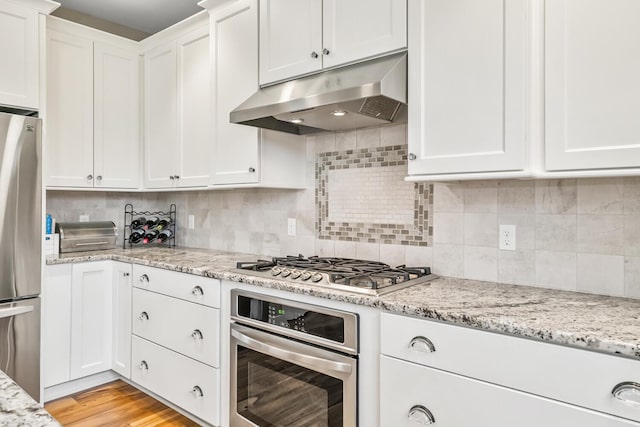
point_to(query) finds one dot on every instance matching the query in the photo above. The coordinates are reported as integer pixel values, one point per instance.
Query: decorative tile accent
(383, 208)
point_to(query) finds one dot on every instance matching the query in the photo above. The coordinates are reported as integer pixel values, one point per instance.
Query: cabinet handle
(143, 316)
(325, 51)
(89, 177)
(197, 392)
(144, 278)
(176, 176)
(422, 344)
(421, 415)
(126, 274)
(172, 177)
(628, 392)
(412, 156)
(252, 170)
(196, 335)
(99, 178)
(143, 365)
(314, 55)
(197, 291)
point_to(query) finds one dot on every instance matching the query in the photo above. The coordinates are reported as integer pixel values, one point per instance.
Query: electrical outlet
(291, 226)
(191, 219)
(84, 218)
(508, 237)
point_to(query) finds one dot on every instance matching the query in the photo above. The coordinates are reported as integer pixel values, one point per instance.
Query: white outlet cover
(84, 218)
(507, 237)
(291, 226)
(191, 219)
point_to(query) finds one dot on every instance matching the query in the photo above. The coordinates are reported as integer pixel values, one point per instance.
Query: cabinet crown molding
(42, 6)
(213, 4)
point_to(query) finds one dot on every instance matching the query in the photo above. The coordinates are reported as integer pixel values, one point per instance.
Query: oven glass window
(274, 392)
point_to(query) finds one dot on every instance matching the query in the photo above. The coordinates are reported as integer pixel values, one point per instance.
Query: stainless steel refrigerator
(20, 249)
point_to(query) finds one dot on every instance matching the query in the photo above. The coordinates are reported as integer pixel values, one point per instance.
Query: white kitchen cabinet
(592, 91)
(300, 37)
(468, 75)
(243, 154)
(121, 313)
(19, 68)
(416, 395)
(91, 108)
(56, 325)
(91, 318)
(177, 111)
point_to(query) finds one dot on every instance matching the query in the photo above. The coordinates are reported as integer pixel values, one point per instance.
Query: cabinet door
(56, 324)
(408, 391)
(194, 111)
(91, 296)
(592, 64)
(121, 337)
(69, 121)
(467, 73)
(19, 53)
(357, 29)
(116, 135)
(235, 147)
(290, 38)
(161, 116)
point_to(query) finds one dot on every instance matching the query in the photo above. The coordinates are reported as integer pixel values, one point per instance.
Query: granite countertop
(595, 322)
(17, 408)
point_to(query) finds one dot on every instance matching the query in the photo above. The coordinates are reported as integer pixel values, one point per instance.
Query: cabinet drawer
(189, 287)
(175, 378)
(580, 377)
(190, 329)
(455, 401)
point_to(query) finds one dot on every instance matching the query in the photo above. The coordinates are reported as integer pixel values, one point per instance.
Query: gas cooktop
(354, 275)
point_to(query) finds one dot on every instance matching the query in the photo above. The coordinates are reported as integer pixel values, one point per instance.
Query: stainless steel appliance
(291, 363)
(86, 236)
(345, 274)
(20, 249)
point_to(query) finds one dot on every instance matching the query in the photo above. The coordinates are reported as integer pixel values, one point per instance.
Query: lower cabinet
(121, 312)
(417, 395)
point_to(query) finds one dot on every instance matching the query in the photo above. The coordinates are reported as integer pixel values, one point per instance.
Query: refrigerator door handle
(15, 311)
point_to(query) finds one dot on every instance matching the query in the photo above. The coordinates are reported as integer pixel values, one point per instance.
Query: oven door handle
(319, 364)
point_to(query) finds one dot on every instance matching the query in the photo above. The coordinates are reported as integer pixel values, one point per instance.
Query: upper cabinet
(177, 110)
(91, 112)
(19, 67)
(467, 80)
(303, 36)
(592, 92)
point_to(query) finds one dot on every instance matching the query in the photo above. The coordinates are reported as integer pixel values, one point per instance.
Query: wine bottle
(138, 222)
(164, 223)
(136, 235)
(151, 222)
(164, 235)
(150, 236)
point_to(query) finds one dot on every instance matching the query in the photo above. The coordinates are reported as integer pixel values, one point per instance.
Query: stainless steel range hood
(361, 95)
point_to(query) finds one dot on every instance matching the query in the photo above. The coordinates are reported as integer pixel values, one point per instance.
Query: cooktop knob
(305, 275)
(285, 272)
(275, 271)
(295, 274)
(316, 277)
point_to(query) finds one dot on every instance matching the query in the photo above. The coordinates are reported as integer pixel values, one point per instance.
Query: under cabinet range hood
(370, 93)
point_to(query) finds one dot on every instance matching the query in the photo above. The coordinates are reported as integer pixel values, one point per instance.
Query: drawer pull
(421, 415)
(196, 335)
(143, 365)
(422, 344)
(628, 392)
(197, 392)
(143, 316)
(197, 291)
(144, 279)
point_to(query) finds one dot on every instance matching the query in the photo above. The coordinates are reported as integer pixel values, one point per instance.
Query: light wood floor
(116, 404)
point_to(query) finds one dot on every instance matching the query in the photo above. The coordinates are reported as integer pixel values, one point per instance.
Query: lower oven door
(277, 381)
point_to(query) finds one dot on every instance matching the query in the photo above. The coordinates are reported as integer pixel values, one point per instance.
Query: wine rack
(130, 214)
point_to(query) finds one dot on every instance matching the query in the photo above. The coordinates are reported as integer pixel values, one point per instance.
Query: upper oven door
(280, 382)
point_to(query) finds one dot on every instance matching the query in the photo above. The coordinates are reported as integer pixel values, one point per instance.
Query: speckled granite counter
(17, 408)
(601, 323)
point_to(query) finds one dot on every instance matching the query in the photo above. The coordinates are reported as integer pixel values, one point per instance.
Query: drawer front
(580, 377)
(455, 401)
(190, 329)
(188, 287)
(175, 378)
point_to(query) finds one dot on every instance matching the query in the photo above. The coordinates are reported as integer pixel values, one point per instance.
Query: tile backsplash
(571, 234)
